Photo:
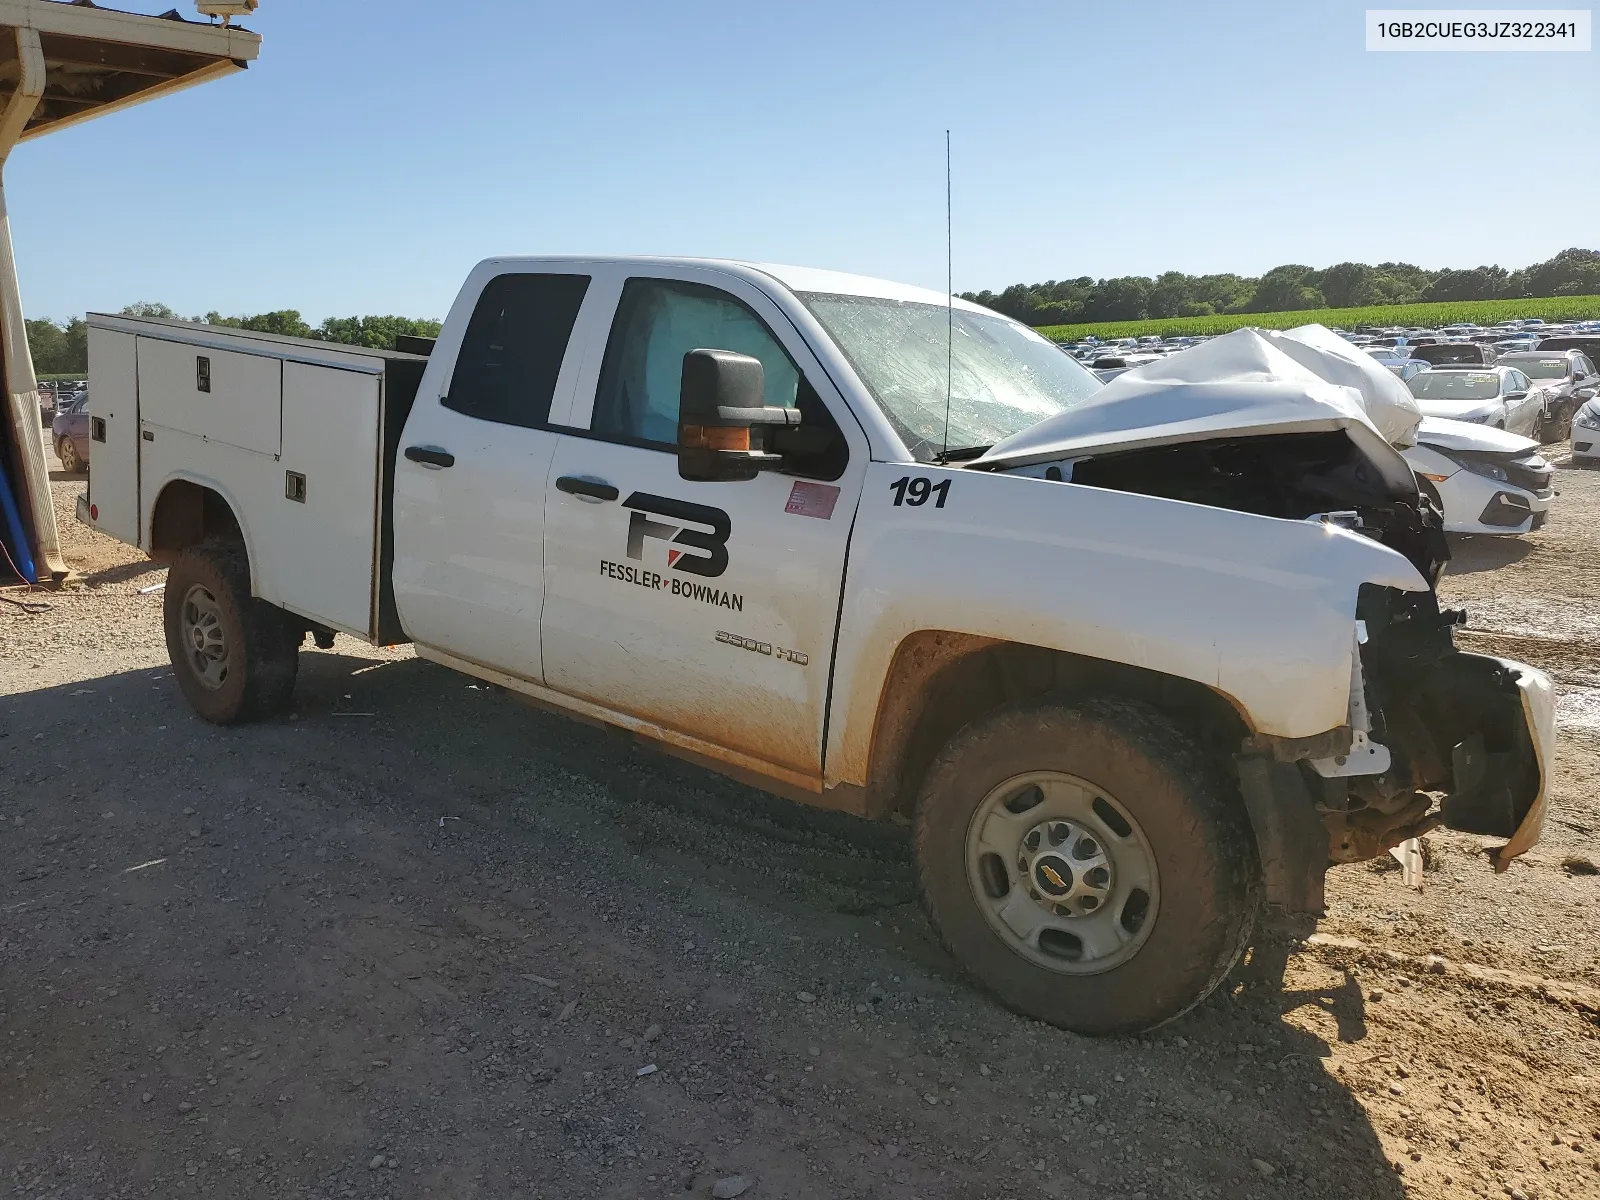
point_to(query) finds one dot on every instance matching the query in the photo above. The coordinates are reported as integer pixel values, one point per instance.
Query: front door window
(658, 321)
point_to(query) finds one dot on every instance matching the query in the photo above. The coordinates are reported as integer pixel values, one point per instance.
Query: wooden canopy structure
(62, 62)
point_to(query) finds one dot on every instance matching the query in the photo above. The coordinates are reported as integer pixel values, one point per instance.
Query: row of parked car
(1489, 397)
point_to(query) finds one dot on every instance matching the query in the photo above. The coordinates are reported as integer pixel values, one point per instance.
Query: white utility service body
(522, 508)
(247, 415)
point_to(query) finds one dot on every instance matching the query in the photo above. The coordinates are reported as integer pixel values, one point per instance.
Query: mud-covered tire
(67, 452)
(259, 655)
(1194, 827)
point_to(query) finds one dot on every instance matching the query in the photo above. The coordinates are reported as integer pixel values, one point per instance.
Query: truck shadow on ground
(120, 573)
(1267, 966)
(399, 792)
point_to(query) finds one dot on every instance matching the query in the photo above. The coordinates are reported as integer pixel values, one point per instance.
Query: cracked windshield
(1002, 376)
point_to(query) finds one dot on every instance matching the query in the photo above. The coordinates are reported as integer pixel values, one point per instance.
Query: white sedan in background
(1501, 397)
(1485, 480)
(1586, 433)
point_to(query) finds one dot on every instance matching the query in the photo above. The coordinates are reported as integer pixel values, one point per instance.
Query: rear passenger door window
(512, 351)
(470, 480)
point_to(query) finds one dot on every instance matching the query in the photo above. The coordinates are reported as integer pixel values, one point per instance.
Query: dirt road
(417, 940)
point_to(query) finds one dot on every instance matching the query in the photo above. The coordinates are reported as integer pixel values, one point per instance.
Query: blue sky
(376, 150)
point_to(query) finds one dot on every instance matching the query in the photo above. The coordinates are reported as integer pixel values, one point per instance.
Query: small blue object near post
(17, 538)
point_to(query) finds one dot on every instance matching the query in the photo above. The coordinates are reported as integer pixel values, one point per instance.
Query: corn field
(1430, 316)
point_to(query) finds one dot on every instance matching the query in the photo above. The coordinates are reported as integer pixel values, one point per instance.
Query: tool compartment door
(322, 503)
(219, 395)
(114, 434)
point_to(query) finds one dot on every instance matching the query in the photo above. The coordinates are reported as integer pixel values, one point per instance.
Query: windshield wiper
(960, 453)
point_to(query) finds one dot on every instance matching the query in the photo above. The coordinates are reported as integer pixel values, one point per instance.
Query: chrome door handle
(591, 489)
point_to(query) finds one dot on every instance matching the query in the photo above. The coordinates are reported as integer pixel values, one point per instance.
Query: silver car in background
(1499, 397)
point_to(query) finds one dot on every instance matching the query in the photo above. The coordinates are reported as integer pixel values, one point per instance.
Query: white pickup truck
(1126, 678)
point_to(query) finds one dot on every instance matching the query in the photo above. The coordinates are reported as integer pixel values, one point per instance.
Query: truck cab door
(706, 609)
(470, 475)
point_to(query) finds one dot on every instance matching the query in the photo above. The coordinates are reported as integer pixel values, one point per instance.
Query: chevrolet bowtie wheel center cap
(1067, 869)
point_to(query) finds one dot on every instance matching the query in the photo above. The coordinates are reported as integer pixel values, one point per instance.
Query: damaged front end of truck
(1435, 735)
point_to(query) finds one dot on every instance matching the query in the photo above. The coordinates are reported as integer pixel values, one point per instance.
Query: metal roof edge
(193, 37)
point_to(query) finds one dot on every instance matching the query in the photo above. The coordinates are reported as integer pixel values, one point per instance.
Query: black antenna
(949, 299)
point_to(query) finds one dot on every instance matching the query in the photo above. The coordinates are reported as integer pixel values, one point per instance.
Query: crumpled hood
(1245, 383)
(1465, 435)
(1389, 404)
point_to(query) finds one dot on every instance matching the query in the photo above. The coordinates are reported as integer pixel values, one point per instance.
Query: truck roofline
(793, 278)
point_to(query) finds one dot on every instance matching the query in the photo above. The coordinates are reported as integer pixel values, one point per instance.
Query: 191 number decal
(916, 490)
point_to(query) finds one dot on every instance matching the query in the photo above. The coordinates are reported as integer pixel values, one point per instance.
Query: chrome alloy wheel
(1062, 872)
(203, 638)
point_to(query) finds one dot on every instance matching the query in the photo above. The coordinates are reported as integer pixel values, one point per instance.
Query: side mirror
(723, 421)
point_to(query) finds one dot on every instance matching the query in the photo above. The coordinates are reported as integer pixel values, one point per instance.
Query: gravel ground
(417, 939)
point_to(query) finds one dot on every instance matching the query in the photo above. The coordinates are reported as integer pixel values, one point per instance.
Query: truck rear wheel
(1088, 864)
(235, 657)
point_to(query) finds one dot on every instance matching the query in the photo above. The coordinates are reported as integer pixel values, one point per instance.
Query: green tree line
(62, 348)
(1287, 288)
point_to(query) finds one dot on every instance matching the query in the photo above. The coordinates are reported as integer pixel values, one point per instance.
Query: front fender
(1256, 608)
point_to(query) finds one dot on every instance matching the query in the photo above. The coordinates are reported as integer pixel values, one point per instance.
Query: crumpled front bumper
(1539, 711)
(1477, 729)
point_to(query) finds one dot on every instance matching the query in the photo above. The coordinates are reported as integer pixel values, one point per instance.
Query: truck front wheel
(1088, 864)
(235, 657)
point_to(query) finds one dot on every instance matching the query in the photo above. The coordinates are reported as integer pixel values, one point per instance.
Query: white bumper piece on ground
(1539, 710)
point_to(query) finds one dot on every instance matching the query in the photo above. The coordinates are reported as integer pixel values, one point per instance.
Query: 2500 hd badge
(759, 647)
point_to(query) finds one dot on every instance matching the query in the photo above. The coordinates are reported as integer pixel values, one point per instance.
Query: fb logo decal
(710, 564)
